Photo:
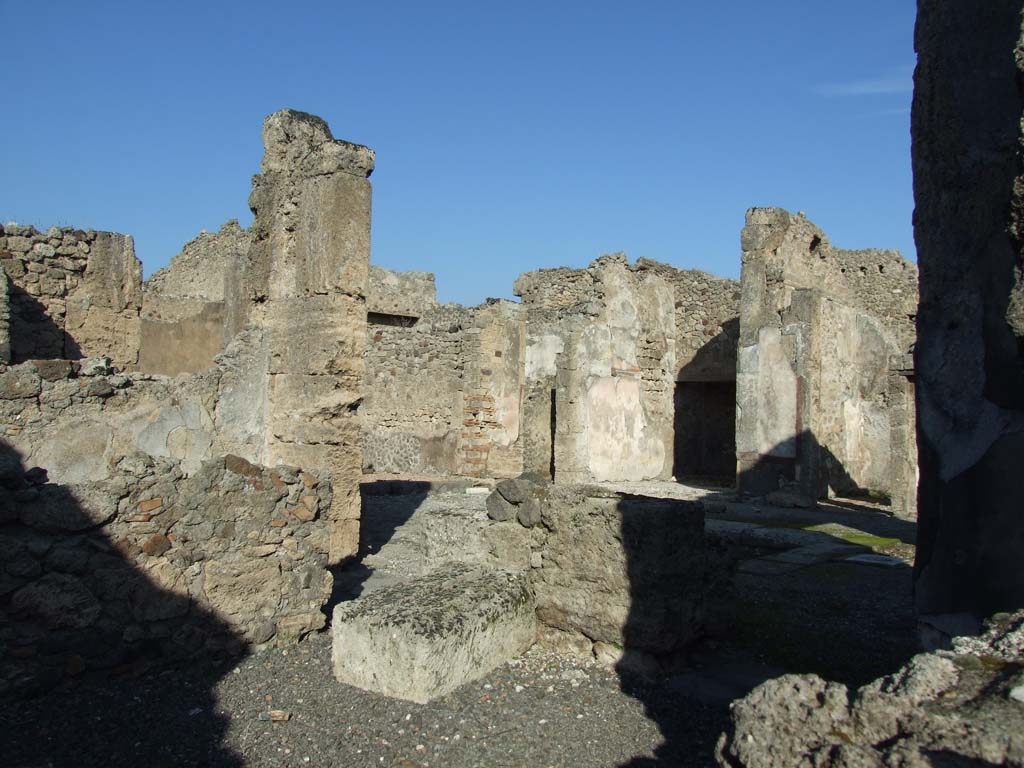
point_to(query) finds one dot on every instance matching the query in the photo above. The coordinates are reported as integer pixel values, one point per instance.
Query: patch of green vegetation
(868, 540)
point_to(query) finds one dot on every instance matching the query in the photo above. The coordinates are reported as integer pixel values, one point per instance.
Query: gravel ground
(540, 710)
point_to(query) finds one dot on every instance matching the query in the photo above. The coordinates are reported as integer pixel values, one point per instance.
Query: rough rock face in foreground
(959, 707)
(148, 563)
(426, 637)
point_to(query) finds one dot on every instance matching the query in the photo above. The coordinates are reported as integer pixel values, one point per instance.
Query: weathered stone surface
(600, 361)
(515, 491)
(969, 359)
(622, 570)
(5, 317)
(297, 142)
(528, 513)
(818, 406)
(402, 294)
(18, 383)
(499, 509)
(305, 283)
(939, 709)
(59, 601)
(425, 638)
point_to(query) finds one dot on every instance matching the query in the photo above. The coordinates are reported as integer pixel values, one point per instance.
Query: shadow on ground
(86, 639)
(782, 597)
(386, 506)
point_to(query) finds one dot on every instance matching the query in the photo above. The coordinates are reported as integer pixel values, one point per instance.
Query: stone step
(425, 637)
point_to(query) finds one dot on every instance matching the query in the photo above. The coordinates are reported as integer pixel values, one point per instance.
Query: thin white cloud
(873, 87)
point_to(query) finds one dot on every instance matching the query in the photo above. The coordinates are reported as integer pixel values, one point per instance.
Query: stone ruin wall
(414, 393)
(400, 294)
(443, 382)
(599, 369)
(133, 534)
(823, 400)
(707, 310)
(5, 318)
(161, 475)
(185, 305)
(304, 289)
(72, 293)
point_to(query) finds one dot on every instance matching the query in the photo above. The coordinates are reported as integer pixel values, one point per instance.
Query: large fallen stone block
(425, 637)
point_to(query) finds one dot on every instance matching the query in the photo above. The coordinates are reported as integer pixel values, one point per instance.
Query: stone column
(307, 289)
(969, 360)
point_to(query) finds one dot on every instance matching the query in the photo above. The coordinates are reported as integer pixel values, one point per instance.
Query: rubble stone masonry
(72, 293)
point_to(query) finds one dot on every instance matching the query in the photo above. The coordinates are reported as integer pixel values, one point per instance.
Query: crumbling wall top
(797, 254)
(297, 142)
(199, 270)
(400, 293)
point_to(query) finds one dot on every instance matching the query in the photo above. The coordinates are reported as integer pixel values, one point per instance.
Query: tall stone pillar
(969, 360)
(308, 270)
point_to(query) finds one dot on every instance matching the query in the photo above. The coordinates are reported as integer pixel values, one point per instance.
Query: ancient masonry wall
(414, 392)
(5, 318)
(131, 535)
(823, 397)
(305, 286)
(73, 293)
(443, 382)
(707, 310)
(184, 313)
(148, 525)
(969, 230)
(599, 372)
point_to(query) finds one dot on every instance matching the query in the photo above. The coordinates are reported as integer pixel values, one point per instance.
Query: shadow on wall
(83, 634)
(34, 334)
(806, 466)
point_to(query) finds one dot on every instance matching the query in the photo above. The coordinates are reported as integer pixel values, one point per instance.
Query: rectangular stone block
(426, 637)
(623, 570)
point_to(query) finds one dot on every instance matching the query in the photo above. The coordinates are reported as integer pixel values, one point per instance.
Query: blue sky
(509, 136)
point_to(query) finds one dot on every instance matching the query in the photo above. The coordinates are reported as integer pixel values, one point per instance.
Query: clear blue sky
(509, 136)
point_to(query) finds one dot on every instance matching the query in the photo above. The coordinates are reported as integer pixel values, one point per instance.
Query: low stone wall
(148, 563)
(612, 573)
(73, 293)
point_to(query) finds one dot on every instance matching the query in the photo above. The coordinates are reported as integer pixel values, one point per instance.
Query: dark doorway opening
(705, 430)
